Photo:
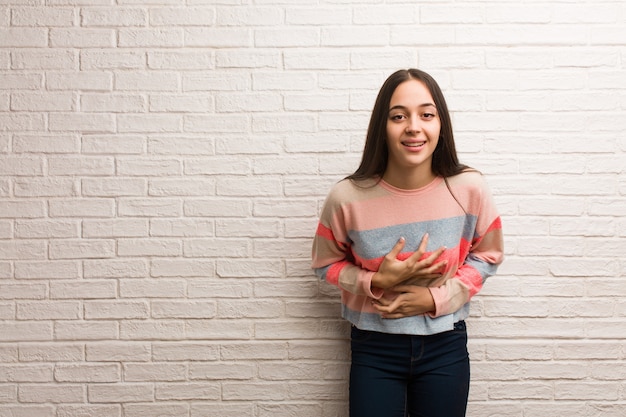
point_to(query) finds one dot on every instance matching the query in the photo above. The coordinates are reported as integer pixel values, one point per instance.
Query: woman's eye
(428, 115)
(396, 116)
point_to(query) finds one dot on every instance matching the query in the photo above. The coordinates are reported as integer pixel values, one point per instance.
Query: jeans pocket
(460, 326)
(359, 336)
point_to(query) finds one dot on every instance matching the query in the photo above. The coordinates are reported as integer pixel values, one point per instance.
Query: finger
(397, 248)
(421, 249)
(432, 257)
(393, 316)
(381, 302)
(384, 308)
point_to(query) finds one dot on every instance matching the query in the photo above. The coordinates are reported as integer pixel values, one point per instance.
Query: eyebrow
(400, 107)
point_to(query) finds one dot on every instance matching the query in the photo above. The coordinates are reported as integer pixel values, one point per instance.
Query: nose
(413, 124)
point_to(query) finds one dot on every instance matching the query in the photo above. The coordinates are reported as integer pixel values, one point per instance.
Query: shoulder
(471, 189)
(470, 180)
(349, 191)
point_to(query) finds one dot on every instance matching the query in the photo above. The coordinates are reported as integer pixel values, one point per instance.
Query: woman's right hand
(393, 271)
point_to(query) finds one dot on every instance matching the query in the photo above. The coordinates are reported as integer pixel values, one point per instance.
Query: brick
(258, 58)
(46, 144)
(146, 247)
(182, 16)
(169, 409)
(161, 288)
(185, 351)
(293, 409)
(147, 81)
(22, 38)
(87, 373)
(320, 59)
(246, 102)
(182, 268)
(51, 394)
(139, 372)
(116, 310)
(186, 103)
(82, 38)
(42, 102)
(87, 123)
(216, 81)
(144, 167)
(252, 309)
(22, 249)
(119, 16)
(221, 371)
(183, 60)
(86, 289)
(22, 291)
(82, 249)
(91, 410)
(51, 352)
(222, 165)
(55, 310)
(180, 146)
(223, 288)
(132, 38)
(450, 14)
(26, 373)
(187, 187)
(115, 103)
(153, 207)
(152, 330)
(183, 309)
(214, 124)
(103, 59)
(248, 16)
(220, 408)
(47, 187)
(118, 144)
(120, 393)
(181, 228)
(117, 351)
(217, 37)
(86, 330)
(217, 329)
(40, 16)
(48, 59)
(187, 391)
(149, 123)
(21, 122)
(232, 391)
(117, 268)
(79, 80)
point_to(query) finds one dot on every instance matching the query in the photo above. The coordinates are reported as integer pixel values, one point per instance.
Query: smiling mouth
(413, 144)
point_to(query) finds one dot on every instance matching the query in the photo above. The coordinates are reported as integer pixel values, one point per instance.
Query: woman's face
(413, 127)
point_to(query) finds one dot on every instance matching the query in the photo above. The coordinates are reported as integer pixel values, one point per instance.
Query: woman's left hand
(412, 301)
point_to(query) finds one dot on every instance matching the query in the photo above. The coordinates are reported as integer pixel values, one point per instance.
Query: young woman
(409, 238)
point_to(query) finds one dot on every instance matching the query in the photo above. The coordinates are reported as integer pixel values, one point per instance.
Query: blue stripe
(485, 269)
(376, 243)
(321, 272)
(416, 325)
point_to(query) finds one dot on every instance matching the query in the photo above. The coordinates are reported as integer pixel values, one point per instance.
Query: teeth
(413, 144)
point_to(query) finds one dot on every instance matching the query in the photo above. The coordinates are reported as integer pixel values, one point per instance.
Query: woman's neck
(408, 180)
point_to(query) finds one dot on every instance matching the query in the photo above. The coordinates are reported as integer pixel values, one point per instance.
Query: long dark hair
(445, 162)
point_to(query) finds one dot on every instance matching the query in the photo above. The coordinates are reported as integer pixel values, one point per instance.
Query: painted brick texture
(163, 163)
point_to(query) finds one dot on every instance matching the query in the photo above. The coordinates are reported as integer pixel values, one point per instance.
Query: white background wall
(162, 164)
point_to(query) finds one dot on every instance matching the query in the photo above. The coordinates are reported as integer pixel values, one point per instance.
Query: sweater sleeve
(485, 255)
(332, 255)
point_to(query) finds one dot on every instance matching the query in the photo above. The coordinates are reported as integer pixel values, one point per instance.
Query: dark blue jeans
(395, 375)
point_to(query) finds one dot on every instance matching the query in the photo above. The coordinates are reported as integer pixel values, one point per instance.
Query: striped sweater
(360, 224)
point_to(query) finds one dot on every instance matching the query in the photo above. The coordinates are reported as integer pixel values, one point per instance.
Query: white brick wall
(162, 165)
